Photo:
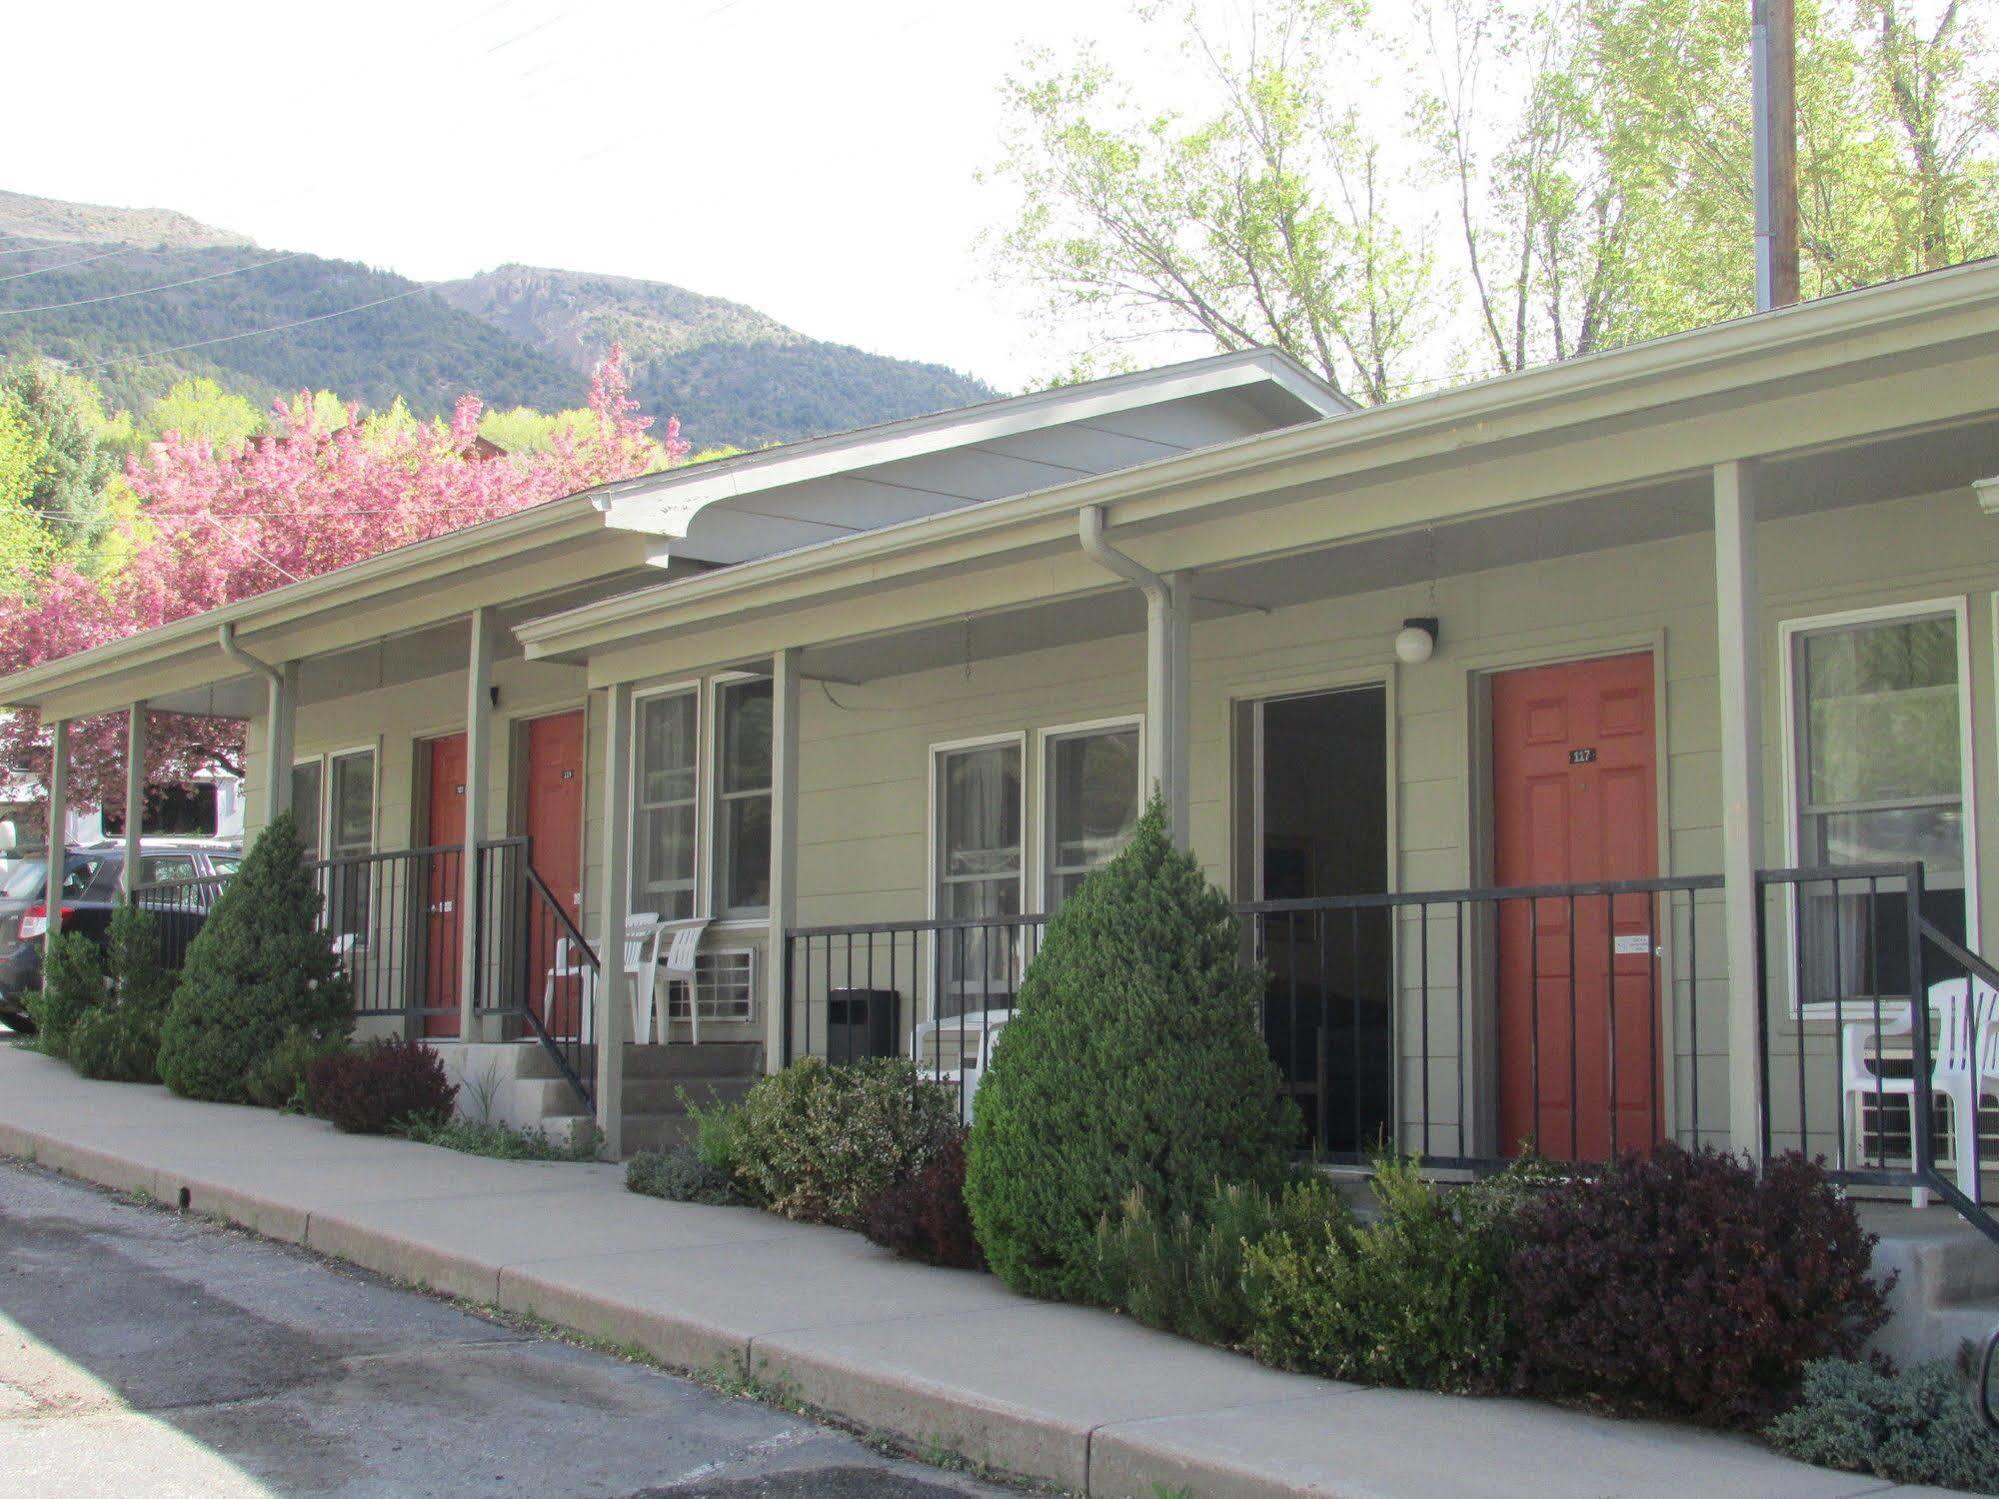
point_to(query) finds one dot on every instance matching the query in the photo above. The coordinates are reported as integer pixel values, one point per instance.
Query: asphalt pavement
(144, 1353)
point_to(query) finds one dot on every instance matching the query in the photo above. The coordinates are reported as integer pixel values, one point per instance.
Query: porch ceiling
(1903, 464)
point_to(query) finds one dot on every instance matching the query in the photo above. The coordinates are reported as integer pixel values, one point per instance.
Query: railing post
(1921, 1108)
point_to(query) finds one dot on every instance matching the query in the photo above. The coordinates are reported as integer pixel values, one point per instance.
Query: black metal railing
(537, 971)
(1473, 1026)
(938, 992)
(1871, 1019)
(179, 909)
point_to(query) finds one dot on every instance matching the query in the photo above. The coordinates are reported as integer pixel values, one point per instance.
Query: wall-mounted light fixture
(1987, 491)
(1415, 641)
(493, 695)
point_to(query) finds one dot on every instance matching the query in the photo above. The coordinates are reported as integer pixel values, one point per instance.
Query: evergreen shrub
(1682, 1283)
(1415, 1299)
(1186, 1274)
(102, 1010)
(72, 985)
(386, 1082)
(278, 1080)
(1914, 1427)
(1133, 1061)
(680, 1175)
(816, 1142)
(259, 970)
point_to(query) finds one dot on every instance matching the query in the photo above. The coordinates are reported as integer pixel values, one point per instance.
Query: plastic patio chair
(1964, 1068)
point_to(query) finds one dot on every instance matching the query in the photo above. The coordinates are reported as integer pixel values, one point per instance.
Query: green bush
(1912, 1427)
(718, 1131)
(278, 1079)
(816, 1142)
(680, 1175)
(500, 1142)
(258, 970)
(1186, 1274)
(73, 985)
(1133, 1061)
(1415, 1299)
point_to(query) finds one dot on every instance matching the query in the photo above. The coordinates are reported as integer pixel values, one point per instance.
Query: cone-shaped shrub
(1132, 1061)
(119, 1040)
(258, 970)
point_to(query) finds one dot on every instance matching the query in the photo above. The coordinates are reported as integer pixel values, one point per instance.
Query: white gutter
(1168, 647)
(277, 722)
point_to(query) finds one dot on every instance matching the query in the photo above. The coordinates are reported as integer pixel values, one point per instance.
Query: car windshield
(25, 882)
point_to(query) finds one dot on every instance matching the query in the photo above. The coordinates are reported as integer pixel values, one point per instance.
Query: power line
(44, 269)
(253, 332)
(143, 290)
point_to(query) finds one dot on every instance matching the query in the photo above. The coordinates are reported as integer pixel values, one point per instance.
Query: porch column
(478, 779)
(1176, 706)
(280, 734)
(783, 847)
(58, 810)
(135, 793)
(1739, 637)
(613, 1011)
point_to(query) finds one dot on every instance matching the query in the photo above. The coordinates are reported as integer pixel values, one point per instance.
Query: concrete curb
(938, 1359)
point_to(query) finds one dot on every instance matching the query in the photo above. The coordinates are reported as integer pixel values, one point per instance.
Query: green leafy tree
(200, 409)
(1132, 1063)
(260, 970)
(72, 462)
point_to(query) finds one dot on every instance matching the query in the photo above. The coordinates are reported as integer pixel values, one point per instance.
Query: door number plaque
(1582, 756)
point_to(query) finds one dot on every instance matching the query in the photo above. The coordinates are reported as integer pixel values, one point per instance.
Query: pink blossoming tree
(214, 526)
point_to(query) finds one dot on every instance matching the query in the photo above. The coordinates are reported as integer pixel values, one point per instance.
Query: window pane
(1094, 782)
(305, 805)
(1882, 712)
(746, 736)
(981, 803)
(353, 819)
(746, 831)
(666, 749)
(666, 862)
(165, 867)
(1935, 835)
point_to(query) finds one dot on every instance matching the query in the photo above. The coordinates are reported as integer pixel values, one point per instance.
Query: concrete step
(657, 1132)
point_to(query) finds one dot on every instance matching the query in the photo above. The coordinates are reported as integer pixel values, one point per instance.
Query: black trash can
(860, 1023)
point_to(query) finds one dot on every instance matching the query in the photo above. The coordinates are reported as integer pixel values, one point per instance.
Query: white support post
(58, 822)
(478, 783)
(280, 726)
(1176, 786)
(783, 847)
(1739, 635)
(613, 1010)
(135, 793)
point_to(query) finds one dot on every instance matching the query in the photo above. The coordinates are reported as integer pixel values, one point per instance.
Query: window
(742, 801)
(157, 867)
(1092, 795)
(979, 868)
(723, 984)
(663, 806)
(305, 805)
(1878, 712)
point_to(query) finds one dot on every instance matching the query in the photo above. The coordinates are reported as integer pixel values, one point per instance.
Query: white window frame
(698, 895)
(1044, 788)
(323, 813)
(1957, 606)
(934, 828)
(713, 799)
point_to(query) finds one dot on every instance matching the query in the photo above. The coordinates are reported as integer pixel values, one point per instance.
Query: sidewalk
(943, 1359)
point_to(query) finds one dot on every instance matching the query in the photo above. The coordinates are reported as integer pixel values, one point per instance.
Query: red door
(445, 828)
(1574, 802)
(553, 815)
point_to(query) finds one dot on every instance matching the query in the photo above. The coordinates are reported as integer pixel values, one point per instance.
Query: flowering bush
(817, 1142)
(1683, 1283)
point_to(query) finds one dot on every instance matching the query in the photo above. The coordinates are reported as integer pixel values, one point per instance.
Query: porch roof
(1634, 430)
(608, 540)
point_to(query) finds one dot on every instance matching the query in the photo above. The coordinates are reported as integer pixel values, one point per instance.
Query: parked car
(90, 885)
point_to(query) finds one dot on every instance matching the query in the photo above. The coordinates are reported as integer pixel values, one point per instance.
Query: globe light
(1416, 640)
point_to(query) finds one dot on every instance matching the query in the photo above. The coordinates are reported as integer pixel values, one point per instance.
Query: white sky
(813, 158)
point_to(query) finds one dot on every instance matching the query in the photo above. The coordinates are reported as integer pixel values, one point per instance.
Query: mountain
(139, 298)
(730, 373)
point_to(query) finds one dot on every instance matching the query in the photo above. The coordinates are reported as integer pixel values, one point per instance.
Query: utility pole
(1774, 101)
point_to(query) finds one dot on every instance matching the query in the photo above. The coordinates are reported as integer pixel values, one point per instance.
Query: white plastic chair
(965, 1042)
(676, 966)
(1964, 1067)
(641, 964)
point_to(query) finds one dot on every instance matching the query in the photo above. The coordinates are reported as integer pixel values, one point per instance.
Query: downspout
(277, 722)
(1165, 666)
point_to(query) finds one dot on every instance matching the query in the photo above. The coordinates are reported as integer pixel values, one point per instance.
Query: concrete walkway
(946, 1360)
